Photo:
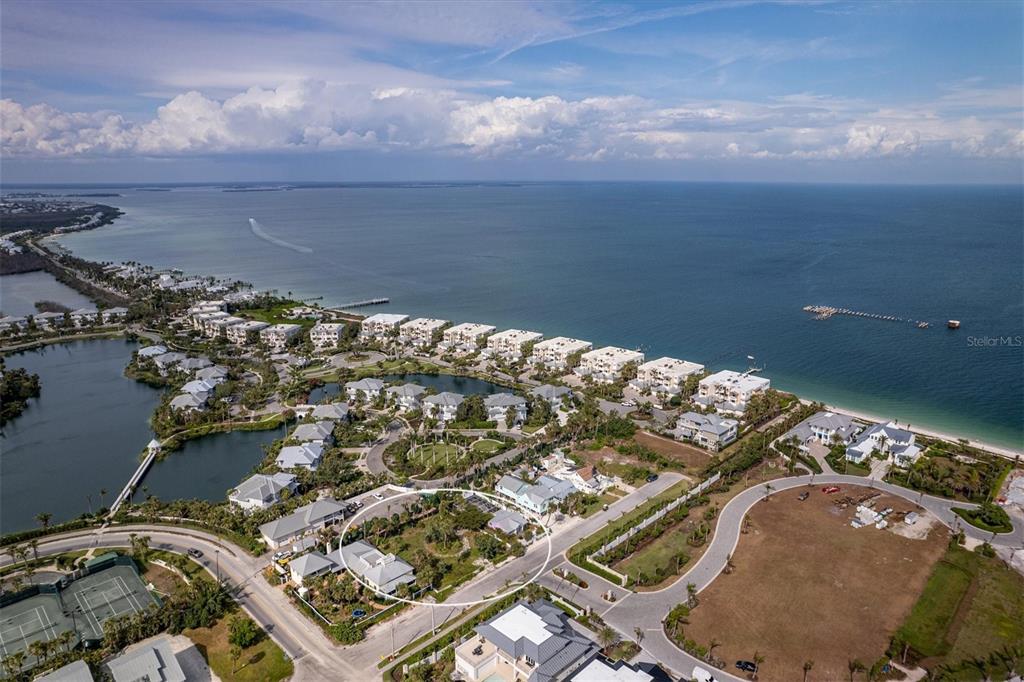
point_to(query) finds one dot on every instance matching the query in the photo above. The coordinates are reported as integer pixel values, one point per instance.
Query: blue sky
(791, 91)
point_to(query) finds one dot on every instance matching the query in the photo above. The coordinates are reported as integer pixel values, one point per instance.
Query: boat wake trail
(258, 230)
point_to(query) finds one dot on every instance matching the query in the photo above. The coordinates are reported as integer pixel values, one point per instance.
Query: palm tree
(691, 594)
(44, 518)
(638, 632)
(855, 666)
(607, 638)
(38, 649)
(712, 645)
(767, 491)
(236, 653)
(34, 546)
(758, 660)
(808, 665)
(12, 664)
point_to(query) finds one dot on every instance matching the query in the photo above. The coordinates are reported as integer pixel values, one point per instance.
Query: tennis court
(36, 618)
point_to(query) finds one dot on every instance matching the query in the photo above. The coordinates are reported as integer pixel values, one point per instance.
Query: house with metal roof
(498, 405)
(406, 397)
(311, 565)
(508, 521)
(316, 432)
(154, 661)
(385, 572)
(599, 668)
(261, 491)
(444, 406)
(710, 431)
(76, 671)
(887, 439)
(304, 520)
(365, 389)
(537, 497)
(333, 411)
(553, 394)
(306, 456)
(189, 402)
(824, 428)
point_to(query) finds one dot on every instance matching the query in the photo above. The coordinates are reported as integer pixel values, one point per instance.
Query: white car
(378, 496)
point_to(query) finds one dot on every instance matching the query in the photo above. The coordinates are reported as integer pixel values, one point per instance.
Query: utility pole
(216, 553)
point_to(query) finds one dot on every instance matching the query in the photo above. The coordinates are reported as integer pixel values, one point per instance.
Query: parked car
(194, 553)
(803, 496)
(829, 489)
(378, 496)
(652, 477)
(746, 666)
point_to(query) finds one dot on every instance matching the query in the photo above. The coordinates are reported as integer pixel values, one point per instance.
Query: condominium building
(729, 391)
(555, 353)
(466, 337)
(245, 333)
(380, 326)
(510, 343)
(605, 365)
(326, 334)
(219, 328)
(201, 320)
(419, 333)
(664, 375)
(278, 336)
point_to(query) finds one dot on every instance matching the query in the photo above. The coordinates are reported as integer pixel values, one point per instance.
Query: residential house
(305, 456)
(193, 365)
(85, 316)
(419, 333)
(825, 428)
(380, 326)
(13, 323)
(246, 333)
(664, 375)
(165, 361)
(537, 497)
(466, 337)
(498, 405)
(310, 565)
(49, 320)
(407, 397)
(151, 351)
(887, 439)
(76, 671)
(153, 661)
(262, 491)
(116, 314)
(605, 365)
(729, 391)
(528, 642)
(189, 402)
(444, 406)
(198, 387)
(507, 521)
(333, 411)
(279, 336)
(364, 389)
(510, 344)
(317, 432)
(383, 572)
(586, 479)
(555, 395)
(326, 334)
(601, 669)
(303, 521)
(710, 431)
(555, 353)
(213, 375)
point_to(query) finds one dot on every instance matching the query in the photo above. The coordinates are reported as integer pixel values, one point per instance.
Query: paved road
(375, 456)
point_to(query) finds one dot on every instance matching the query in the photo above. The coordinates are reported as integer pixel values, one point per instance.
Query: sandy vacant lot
(684, 453)
(809, 586)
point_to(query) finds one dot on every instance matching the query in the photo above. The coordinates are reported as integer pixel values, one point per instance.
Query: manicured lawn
(275, 315)
(486, 446)
(598, 504)
(529, 430)
(264, 661)
(660, 554)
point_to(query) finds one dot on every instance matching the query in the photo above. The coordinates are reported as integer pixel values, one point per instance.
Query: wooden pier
(362, 304)
(824, 312)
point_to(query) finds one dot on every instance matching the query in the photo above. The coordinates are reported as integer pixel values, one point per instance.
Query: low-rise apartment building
(466, 337)
(510, 343)
(729, 391)
(707, 430)
(605, 365)
(246, 333)
(664, 375)
(219, 328)
(380, 326)
(555, 353)
(419, 333)
(326, 334)
(279, 336)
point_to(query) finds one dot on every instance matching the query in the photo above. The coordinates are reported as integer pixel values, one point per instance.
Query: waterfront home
(213, 375)
(85, 316)
(407, 397)
(318, 432)
(49, 320)
(555, 353)
(165, 361)
(198, 387)
(499, 404)
(261, 491)
(466, 337)
(598, 668)
(304, 312)
(825, 428)
(383, 572)
(510, 344)
(419, 333)
(306, 456)
(245, 333)
(189, 402)
(664, 375)
(605, 365)
(326, 334)
(218, 329)
(116, 314)
(153, 660)
(13, 322)
(444, 406)
(304, 520)
(278, 336)
(333, 411)
(380, 326)
(528, 642)
(507, 521)
(729, 391)
(886, 439)
(311, 565)
(364, 389)
(555, 395)
(152, 351)
(192, 365)
(710, 431)
(537, 497)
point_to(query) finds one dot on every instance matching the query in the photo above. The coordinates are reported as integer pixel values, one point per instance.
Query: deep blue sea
(707, 272)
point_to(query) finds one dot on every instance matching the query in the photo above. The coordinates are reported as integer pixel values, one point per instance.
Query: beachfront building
(443, 407)
(279, 336)
(304, 520)
(664, 375)
(306, 456)
(245, 333)
(467, 337)
(498, 405)
(556, 353)
(537, 497)
(326, 334)
(886, 439)
(528, 642)
(407, 397)
(510, 344)
(364, 389)
(383, 572)
(729, 391)
(419, 333)
(380, 326)
(555, 395)
(707, 430)
(824, 428)
(317, 432)
(605, 365)
(262, 491)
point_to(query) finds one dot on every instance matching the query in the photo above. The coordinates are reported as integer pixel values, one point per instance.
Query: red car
(829, 489)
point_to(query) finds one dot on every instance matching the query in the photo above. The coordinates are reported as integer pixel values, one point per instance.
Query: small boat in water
(953, 324)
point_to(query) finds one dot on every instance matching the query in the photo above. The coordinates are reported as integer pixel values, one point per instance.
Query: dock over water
(824, 312)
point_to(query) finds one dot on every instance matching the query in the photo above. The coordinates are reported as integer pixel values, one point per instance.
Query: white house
(825, 428)
(278, 336)
(407, 397)
(707, 430)
(310, 565)
(536, 497)
(165, 361)
(555, 353)
(189, 402)
(152, 351)
(510, 343)
(729, 391)
(498, 405)
(605, 365)
(664, 375)
(212, 375)
(507, 521)
(304, 520)
(261, 491)
(599, 668)
(317, 432)
(326, 334)
(85, 316)
(198, 387)
(245, 333)
(887, 439)
(466, 337)
(115, 314)
(419, 333)
(444, 406)
(380, 326)
(152, 660)
(306, 456)
(333, 411)
(49, 320)
(384, 572)
(364, 389)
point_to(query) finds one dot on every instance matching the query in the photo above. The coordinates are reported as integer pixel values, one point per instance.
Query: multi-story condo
(419, 333)
(498, 406)
(247, 332)
(555, 353)
(527, 642)
(278, 336)
(444, 406)
(729, 391)
(326, 334)
(707, 430)
(466, 337)
(510, 343)
(380, 326)
(219, 328)
(605, 364)
(664, 375)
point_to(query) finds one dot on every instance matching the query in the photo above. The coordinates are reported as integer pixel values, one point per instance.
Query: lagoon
(19, 293)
